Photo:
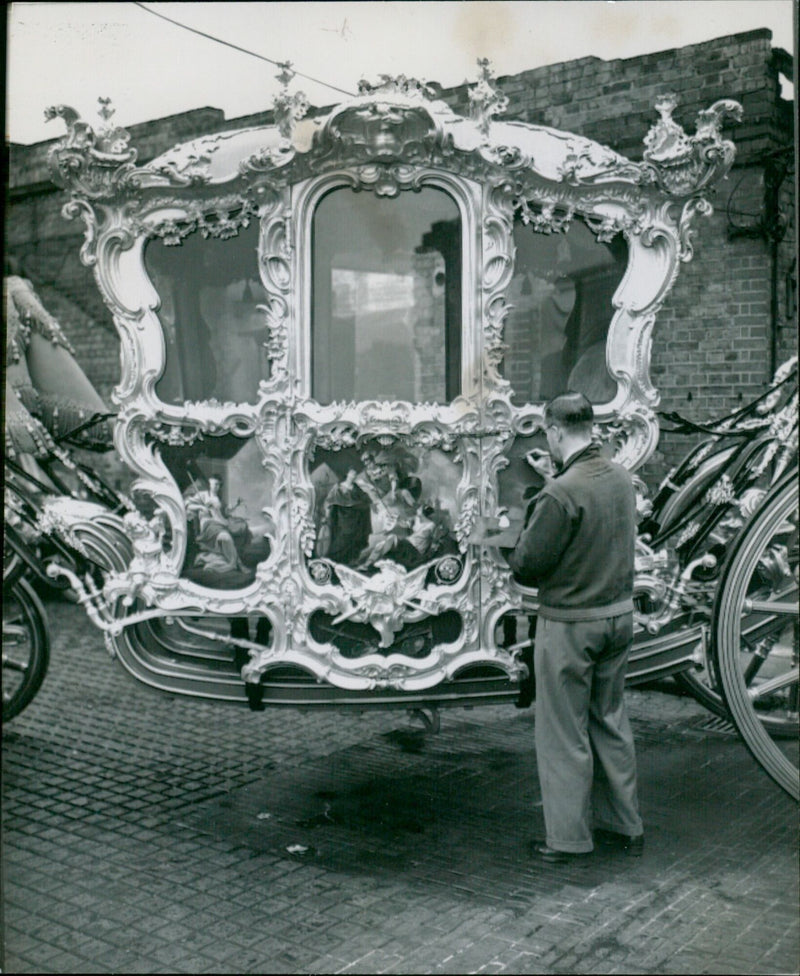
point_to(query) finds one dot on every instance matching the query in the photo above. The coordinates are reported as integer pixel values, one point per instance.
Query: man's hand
(542, 463)
(501, 532)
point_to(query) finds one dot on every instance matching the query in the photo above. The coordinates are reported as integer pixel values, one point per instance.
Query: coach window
(386, 297)
(212, 316)
(561, 297)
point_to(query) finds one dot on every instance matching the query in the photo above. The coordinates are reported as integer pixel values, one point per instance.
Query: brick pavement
(145, 833)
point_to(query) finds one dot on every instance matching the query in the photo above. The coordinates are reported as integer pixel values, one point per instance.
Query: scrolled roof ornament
(680, 164)
(97, 163)
(91, 162)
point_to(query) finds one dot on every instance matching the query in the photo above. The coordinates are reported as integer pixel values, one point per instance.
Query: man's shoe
(631, 846)
(551, 856)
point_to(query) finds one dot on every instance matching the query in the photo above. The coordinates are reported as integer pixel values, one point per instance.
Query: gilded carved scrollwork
(275, 257)
(394, 138)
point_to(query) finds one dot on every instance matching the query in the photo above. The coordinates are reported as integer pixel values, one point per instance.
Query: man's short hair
(571, 411)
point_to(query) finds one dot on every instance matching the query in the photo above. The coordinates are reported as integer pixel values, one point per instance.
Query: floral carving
(221, 219)
(545, 219)
(721, 493)
(485, 100)
(688, 533)
(288, 108)
(466, 522)
(399, 85)
(449, 569)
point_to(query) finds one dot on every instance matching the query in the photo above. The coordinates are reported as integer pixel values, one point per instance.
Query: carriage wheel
(13, 566)
(755, 632)
(703, 685)
(26, 646)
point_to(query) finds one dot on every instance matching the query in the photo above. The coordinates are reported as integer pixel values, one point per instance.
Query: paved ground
(151, 834)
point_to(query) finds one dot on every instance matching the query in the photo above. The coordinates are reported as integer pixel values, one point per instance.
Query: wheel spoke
(771, 685)
(10, 665)
(754, 640)
(25, 645)
(766, 606)
(755, 665)
(14, 635)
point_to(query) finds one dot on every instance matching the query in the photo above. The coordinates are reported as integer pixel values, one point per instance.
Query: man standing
(578, 549)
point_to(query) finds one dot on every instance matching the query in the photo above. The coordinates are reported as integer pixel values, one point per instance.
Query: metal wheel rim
(23, 616)
(728, 616)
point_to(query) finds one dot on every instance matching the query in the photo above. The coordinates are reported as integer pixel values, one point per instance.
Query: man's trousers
(584, 744)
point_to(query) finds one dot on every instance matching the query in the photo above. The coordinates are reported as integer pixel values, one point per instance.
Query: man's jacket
(577, 546)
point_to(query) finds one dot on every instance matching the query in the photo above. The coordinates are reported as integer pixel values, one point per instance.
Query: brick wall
(713, 345)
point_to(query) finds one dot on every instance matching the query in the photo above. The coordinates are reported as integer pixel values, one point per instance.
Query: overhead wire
(243, 50)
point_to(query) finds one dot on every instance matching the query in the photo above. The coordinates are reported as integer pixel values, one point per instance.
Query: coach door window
(386, 297)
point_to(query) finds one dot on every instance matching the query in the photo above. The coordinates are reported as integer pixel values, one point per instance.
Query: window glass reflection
(386, 302)
(561, 294)
(214, 333)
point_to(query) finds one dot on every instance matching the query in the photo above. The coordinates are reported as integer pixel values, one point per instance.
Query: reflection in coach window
(386, 301)
(561, 294)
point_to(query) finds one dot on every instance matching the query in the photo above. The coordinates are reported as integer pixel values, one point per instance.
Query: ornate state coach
(337, 333)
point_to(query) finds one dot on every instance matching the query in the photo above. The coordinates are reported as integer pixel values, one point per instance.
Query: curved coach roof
(399, 120)
(550, 153)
